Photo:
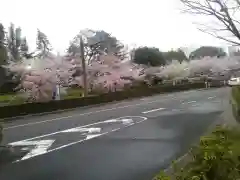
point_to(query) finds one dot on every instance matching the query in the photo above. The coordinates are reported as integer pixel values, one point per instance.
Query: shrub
(8, 87)
(74, 92)
(215, 158)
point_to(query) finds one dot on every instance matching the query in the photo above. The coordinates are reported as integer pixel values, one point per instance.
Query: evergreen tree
(148, 56)
(24, 47)
(14, 41)
(3, 55)
(3, 50)
(43, 44)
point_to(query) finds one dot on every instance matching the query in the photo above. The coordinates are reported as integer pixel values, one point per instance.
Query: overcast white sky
(142, 22)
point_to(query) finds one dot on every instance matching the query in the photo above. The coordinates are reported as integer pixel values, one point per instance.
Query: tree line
(15, 47)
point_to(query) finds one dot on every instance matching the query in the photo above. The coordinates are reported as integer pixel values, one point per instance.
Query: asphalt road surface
(127, 140)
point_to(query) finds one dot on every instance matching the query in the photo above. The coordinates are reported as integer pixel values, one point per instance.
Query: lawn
(9, 99)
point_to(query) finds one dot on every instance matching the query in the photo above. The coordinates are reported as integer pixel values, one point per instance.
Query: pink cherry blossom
(106, 73)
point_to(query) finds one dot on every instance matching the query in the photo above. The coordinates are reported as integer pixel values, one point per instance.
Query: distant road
(128, 140)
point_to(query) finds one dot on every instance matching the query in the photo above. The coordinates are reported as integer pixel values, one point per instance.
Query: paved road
(127, 140)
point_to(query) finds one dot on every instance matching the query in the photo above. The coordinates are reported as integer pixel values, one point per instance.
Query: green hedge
(235, 101)
(33, 108)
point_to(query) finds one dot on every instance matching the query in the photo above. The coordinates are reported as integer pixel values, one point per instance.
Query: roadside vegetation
(217, 157)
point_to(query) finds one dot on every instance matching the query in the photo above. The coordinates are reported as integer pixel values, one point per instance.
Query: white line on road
(190, 102)
(83, 114)
(153, 110)
(194, 105)
(212, 97)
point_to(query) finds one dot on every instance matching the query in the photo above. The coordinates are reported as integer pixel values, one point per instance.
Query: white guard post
(57, 92)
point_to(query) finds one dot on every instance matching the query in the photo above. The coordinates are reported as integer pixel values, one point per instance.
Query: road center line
(189, 102)
(91, 112)
(211, 97)
(153, 110)
(83, 114)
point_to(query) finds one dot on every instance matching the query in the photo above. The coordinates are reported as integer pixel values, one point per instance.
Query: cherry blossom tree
(40, 76)
(109, 73)
(207, 65)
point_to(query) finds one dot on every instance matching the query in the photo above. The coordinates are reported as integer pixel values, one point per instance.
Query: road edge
(225, 118)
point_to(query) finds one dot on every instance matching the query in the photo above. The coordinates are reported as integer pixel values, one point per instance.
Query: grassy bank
(217, 157)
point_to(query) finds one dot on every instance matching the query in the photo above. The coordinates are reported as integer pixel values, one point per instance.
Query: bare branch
(222, 11)
(220, 37)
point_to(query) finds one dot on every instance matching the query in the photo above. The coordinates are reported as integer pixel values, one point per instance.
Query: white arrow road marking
(80, 129)
(124, 121)
(111, 121)
(107, 121)
(127, 121)
(40, 147)
(91, 136)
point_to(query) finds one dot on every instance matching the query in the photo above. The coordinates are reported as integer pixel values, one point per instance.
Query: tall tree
(14, 36)
(96, 43)
(14, 41)
(148, 56)
(223, 15)
(209, 51)
(24, 47)
(3, 54)
(3, 43)
(175, 55)
(43, 44)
